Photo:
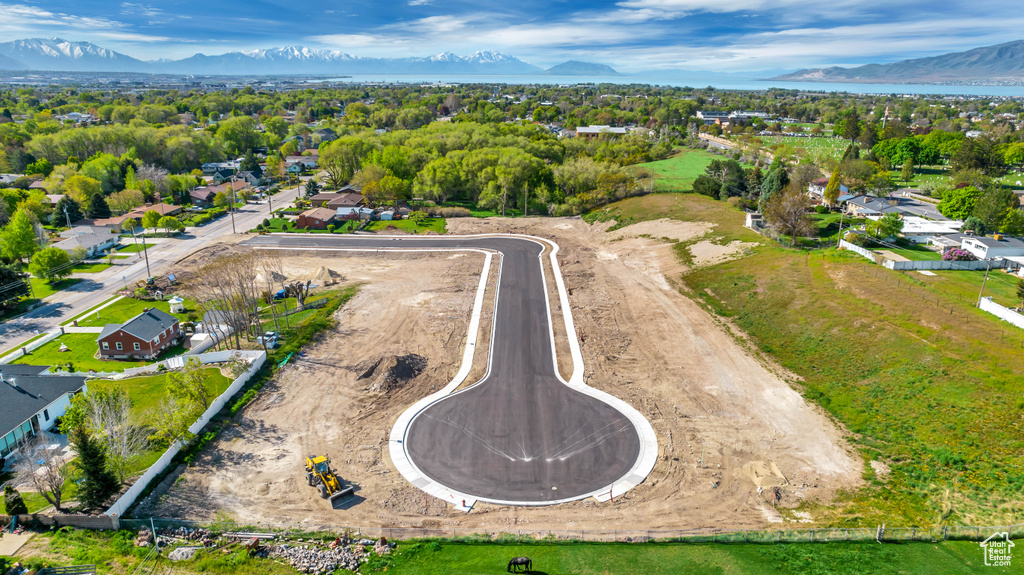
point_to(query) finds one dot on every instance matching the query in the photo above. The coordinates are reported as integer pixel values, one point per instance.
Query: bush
(821, 209)
(958, 255)
(13, 503)
(449, 212)
(735, 201)
(330, 228)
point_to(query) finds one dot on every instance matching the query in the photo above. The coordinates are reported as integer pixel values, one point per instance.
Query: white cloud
(419, 2)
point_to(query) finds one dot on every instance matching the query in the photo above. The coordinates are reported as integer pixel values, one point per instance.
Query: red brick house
(316, 218)
(143, 336)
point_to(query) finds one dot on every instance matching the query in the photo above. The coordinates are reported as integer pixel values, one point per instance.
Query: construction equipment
(320, 475)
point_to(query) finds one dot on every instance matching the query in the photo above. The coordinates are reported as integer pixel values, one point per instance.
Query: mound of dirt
(392, 372)
(765, 474)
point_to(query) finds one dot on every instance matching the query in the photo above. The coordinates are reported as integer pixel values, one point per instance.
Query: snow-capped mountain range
(56, 54)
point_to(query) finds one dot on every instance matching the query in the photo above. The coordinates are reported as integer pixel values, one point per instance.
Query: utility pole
(232, 210)
(145, 252)
(987, 269)
(842, 214)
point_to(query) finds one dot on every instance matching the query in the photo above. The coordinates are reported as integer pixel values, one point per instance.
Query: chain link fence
(703, 535)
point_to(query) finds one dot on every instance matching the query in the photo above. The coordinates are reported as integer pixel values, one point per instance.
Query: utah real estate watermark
(998, 549)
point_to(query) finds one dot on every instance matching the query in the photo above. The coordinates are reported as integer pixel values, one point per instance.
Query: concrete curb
(648, 453)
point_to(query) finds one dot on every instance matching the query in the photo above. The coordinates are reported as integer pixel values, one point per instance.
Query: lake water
(696, 81)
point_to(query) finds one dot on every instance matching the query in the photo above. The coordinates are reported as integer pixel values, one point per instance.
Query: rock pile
(144, 538)
(316, 561)
(183, 553)
(188, 534)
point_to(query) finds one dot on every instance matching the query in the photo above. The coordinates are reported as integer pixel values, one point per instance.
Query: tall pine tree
(98, 208)
(99, 482)
(832, 190)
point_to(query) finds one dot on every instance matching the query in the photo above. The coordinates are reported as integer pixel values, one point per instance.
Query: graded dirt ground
(727, 421)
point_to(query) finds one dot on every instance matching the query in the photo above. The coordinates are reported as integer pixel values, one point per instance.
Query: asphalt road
(97, 287)
(520, 434)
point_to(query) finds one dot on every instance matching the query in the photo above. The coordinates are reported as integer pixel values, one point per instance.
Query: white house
(997, 246)
(920, 230)
(93, 243)
(356, 213)
(32, 400)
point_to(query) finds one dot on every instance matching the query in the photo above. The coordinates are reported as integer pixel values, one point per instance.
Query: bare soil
(727, 421)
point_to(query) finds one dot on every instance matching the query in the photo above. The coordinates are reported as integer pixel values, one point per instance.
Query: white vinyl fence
(257, 359)
(1003, 313)
(32, 346)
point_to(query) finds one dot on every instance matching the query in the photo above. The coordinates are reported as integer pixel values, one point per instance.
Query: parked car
(280, 294)
(268, 340)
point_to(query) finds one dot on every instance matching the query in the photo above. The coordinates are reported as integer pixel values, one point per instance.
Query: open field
(436, 225)
(678, 172)
(807, 147)
(114, 554)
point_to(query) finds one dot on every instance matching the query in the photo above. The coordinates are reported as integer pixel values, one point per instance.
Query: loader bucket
(343, 492)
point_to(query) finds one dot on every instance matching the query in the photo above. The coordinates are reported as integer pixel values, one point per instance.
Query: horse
(516, 562)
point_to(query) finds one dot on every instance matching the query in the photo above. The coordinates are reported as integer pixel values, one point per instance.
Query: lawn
(912, 253)
(149, 391)
(903, 361)
(42, 289)
(89, 267)
(125, 309)
(654, 559)
(86, 312)
(478, 212)
(132, 248)
(437, 225)
(966, 286)
(82, 349)
(678, 172)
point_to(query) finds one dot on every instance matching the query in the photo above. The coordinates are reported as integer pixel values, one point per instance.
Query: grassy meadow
(920, 377)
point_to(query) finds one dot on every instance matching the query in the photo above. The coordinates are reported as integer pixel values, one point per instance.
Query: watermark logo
(998, 549)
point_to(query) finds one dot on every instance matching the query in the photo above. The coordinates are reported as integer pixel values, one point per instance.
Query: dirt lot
(707, 397)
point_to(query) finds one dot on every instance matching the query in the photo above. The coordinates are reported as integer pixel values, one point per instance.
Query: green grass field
(42, 289)
(148, 391)
(90, 267)
(437, 225)
(927, 391)
(807, 147)
(132, 248)
(965, 286)
(82, 349)
(125, 309)
(678, 172)
(678, 559)
(113, 553)
(914, 254)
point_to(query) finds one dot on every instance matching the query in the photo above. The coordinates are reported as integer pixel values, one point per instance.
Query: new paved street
(520, 434)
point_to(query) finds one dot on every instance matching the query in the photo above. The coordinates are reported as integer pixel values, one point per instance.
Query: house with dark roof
(347, 200)
(33, 400)
(316, 218)
(203, 197)
(867, 206)
(143, 336)
(997, 246)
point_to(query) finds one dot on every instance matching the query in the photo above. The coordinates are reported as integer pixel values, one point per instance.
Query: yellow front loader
(320, 475)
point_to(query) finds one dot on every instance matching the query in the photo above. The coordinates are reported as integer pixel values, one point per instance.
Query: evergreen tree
(74, 213)
(774, 183)
(13, 503)
(908, 170)
(14, 286)
(832, 190)
(249, 163)
(312, 188)
(99, 482)
(98, 208)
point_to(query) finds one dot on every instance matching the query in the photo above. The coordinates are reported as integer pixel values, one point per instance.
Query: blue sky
(631, 35)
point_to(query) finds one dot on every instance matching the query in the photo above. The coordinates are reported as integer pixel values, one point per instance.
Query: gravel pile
(319, 561)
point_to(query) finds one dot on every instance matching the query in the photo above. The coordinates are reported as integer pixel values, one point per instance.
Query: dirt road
(727, 423)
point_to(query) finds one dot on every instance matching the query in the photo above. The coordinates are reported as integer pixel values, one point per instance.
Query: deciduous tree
(18, 239)
(51, 264)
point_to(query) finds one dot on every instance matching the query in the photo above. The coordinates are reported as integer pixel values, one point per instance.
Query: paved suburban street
(94, 288)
